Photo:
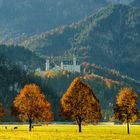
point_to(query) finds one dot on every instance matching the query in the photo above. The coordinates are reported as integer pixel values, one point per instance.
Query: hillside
(120, 1)
(101, 38)
(22, 18)
(12, 79)
(105, 82)
(136, 3)
(22, 57)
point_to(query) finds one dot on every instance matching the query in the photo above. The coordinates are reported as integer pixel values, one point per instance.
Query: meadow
(69, 132)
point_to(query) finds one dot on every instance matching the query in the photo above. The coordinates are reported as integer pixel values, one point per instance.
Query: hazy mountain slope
(136, 3)
(23, 57)
(21, 18)
(109, 38)
(120, 1)
(114, 36)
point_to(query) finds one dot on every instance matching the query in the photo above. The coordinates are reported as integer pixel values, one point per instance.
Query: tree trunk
(80, 130)
(79, 121)
(128, 131)
(30, 124)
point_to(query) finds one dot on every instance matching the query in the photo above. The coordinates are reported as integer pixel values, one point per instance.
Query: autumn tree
(80, 104)
(125, 109)
(31, 105)
(1, 111)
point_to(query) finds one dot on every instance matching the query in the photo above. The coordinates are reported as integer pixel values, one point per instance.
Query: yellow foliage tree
(126, 110)
(80, 104)
(31, 105)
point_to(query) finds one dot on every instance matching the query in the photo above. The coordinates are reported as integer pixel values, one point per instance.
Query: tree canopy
(31, 105)
(80, 104)
(126, 110)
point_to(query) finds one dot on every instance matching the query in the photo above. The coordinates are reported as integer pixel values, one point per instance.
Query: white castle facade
(71, 66)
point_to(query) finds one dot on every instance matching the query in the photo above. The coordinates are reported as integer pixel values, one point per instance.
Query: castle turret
(62, 65)
(47, 65)
(74, 61)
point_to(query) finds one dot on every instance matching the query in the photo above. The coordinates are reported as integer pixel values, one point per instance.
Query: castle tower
(74, 61)
(47, 65)
(62, 65)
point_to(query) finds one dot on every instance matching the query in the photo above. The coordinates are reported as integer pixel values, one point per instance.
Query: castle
(71, 66)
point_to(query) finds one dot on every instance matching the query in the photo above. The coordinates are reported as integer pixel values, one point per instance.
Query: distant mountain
(22, 57)
(109, 38)
(136, 3)
(22, 18)
(120, 1)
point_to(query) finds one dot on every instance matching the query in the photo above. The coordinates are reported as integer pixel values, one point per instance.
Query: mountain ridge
(20, 19)
(22, 57)
(101, 38)
(136, 3)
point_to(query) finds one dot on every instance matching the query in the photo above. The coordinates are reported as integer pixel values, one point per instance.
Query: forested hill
(12, 79)
(105, 83)
(21, 18)
(120, 1)
(109, 38)
(136, 3)
(22, 57)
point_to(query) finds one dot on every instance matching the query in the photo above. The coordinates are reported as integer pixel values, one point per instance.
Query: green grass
(69, 132)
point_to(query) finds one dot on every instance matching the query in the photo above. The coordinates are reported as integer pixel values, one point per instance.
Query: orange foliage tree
(31, 105)
(1, 111)
(80, 104)
(125, 109)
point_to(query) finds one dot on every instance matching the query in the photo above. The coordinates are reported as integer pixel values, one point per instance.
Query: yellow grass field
(69, 132)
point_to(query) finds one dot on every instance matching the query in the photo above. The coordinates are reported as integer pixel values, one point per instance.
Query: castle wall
(65, 66)
(73, 68)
